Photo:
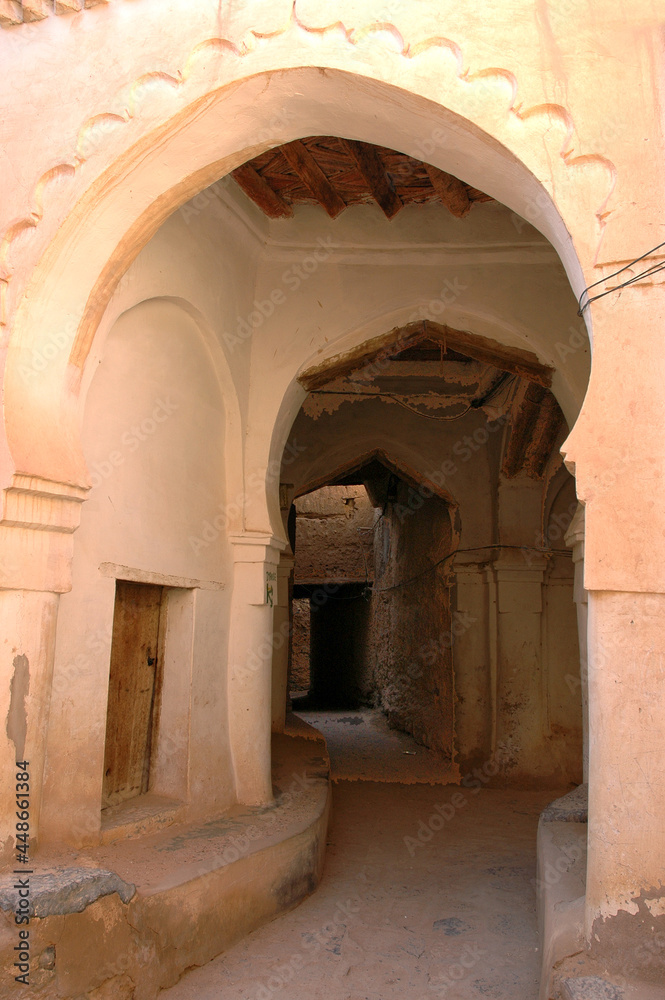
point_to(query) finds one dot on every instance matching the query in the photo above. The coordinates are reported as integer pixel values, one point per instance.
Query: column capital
(42, 504)
(524, 564)
(256, 547)
(574, 537)
(37, 520)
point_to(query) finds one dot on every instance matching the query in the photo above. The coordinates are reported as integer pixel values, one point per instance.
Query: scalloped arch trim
(93, 131)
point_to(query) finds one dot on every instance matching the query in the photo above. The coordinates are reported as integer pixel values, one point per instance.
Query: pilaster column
(574, 539)
(37, 521)
(625, 889)
(251, 646)
(618, 453)
(521, 677)
(474, 662)
(282, 637)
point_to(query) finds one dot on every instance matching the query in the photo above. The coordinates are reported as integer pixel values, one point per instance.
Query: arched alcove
(124, 216)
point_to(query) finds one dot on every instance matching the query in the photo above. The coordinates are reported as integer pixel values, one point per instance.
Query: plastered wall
(152, 105)
(191, 355)
(409, 648)
(154, 439)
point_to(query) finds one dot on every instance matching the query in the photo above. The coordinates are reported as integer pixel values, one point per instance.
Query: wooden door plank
(134, 658)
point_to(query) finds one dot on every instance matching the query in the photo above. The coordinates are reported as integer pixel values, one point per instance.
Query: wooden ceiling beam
(549, 423)
(308, 170)
(452, 192)
(371, 167)
(258, 189)
(524, 417)
(507, 359)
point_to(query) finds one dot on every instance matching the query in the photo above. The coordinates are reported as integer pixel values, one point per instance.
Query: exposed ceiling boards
(336, 173)
(426, 369)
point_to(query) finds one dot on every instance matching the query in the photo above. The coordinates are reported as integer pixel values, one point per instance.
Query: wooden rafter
(336, 173)
(526, 409)
(507, 359)
(374, 173)
(258, 189)
(543, 438)
(308, 170)
(452, 192)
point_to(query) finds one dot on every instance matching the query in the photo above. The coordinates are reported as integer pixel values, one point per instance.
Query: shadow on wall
(359, 641)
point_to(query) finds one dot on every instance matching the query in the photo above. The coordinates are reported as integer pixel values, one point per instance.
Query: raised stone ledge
(590, 988)
(68, 890)
(148, 908)
(570, 808)
(560, 886)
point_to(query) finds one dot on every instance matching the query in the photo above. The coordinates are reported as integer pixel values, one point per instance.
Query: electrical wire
(653, 269)
(316, 587)
(432, 416)
(362, 549)
(380, 518)
(500, 382)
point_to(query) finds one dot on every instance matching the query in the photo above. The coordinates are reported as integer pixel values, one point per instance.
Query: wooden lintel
(450, 190)
(374, 173)
(543, 439)
(258, 189)
(308, 170)
(375, 351)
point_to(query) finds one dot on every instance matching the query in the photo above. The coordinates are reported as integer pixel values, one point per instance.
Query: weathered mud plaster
(17, 716)
(410, 643)
(334, 536)
(93, 930)
(560, 881)
(632, 941)
(625, 776)
(27, 637)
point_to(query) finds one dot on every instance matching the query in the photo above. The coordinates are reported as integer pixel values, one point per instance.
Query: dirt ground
(362, 747)
(416, 901)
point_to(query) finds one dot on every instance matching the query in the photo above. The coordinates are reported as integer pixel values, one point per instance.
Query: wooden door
(134, 687)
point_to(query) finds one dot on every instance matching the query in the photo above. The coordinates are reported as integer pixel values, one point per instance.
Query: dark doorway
(338, 630)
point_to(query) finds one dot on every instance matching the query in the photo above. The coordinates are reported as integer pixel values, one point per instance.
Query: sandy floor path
(449, 913)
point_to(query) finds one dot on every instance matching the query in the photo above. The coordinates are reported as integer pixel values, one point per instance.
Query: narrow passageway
(362, 747)
(428, 891)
